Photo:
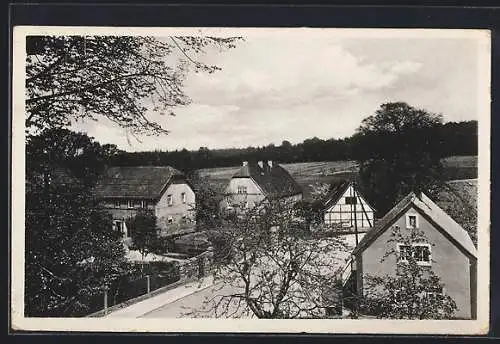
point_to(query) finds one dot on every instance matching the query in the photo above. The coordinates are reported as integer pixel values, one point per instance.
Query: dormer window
(411, 221)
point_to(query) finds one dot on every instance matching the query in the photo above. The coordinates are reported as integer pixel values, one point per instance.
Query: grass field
(307, 173)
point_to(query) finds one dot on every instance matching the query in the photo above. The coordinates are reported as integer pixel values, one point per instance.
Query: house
(448, 250)
(164, 190)
(254, 182)
(346, 208)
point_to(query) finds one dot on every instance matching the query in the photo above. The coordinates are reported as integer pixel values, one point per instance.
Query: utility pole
(355, 211)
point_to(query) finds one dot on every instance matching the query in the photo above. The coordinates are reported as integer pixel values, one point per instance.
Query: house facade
(347, 209)
(448, 250)
(124, 191)
(256, 181)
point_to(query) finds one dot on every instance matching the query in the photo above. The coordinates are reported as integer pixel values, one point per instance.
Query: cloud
(406, 67)
(273, 88)
(287, 73)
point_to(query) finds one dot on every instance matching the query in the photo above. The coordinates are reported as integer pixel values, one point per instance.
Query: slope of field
(460, 167)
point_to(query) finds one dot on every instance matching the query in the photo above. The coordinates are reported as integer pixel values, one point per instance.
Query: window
(404, 252)
(117, 204)
(350, 200)
(144, 204)
(420, 252)
(411, 221)
(242, 189)
(130, 204)
(183, 197)
(169, 200)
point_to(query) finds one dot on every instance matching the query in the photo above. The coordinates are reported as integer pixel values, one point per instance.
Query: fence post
(105, 298)
(148, 283)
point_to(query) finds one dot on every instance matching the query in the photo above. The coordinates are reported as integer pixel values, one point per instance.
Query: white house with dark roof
(164, 190)
(448, 251)
(257, 181)
(346, 208)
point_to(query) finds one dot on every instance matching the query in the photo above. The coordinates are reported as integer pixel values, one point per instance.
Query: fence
(133, 289)
(132, 286)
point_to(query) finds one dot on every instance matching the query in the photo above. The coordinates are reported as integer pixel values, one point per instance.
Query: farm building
(254, 182)
(123, 191)
(346, 208)
(447, 250)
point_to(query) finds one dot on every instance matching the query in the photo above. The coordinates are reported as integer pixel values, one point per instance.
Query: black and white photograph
(211, 179)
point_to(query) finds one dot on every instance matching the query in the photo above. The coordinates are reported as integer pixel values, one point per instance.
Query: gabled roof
(337, 190)
(433, 212)
(273, 180)
(146, 182)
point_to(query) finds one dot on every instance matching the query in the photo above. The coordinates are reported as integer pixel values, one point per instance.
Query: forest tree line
(453, 138)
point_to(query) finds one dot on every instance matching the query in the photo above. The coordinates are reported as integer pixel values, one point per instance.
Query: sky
(277, 87)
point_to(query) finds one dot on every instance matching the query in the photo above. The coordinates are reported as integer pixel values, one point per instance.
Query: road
(194, 305)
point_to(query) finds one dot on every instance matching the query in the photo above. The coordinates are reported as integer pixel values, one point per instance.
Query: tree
(414, 291)
(208, 198)
(274, 269)
(143, 230)
(311, 211)
(400, 144)
(118, 77)
(77, 152)
(70, 254)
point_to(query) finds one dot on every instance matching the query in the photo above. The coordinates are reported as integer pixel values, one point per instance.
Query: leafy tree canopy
(71, 254)
(118, 77)
(400, 144)
(77, 152)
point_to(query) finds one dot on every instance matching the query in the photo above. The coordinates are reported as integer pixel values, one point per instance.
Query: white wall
(178, 209)
(253, 196)
(342, 213)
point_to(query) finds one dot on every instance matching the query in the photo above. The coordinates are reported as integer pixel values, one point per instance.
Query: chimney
(261, 164)
(245, 163)
(270, 163)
